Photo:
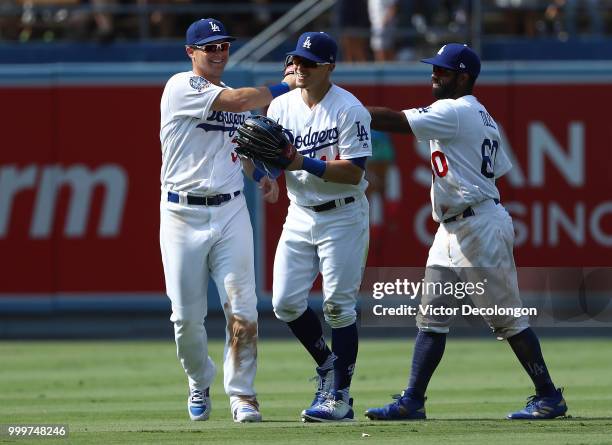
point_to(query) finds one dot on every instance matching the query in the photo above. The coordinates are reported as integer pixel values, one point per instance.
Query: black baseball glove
(262, 139)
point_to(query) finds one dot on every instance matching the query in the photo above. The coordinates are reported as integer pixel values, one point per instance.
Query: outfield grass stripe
(135, 392)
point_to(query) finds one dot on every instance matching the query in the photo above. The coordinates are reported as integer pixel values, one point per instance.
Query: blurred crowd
(106, 21)
(379, 30)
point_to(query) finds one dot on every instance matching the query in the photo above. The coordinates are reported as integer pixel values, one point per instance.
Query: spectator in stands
(9, 23)
(163, 23)
(262, 12)
(354, 25)
(104, 20)
(568, 9)
(383, 20)
(522, 17)
(94, 20)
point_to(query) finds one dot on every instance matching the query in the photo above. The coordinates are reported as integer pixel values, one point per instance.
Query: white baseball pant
(333, 242)
(197, 242)
(479, 248)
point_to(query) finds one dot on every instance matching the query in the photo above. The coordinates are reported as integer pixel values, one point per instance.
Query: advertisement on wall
(79, 180)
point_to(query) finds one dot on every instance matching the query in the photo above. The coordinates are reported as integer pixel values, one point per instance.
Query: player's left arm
(342, 171)
(354, 146)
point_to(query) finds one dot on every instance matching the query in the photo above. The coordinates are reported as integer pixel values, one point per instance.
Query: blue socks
(345, 343)
(308, 330)
(526, 346)
(428, 351)
(429, 348)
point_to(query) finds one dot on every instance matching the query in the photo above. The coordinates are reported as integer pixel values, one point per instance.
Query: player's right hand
(269, 187)
(289, 72)
(289, 66)
(290, 80)
(297, 160)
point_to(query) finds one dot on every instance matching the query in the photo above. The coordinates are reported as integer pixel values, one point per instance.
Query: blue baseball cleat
(403, 408)
(198, 404)
(337, 407)
(541, 408)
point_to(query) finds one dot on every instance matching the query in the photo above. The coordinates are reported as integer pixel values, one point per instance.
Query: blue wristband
(314, 166)
(279, 88)
(257, 175)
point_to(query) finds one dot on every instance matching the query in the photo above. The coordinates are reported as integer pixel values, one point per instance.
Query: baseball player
(205, 230)
(475, 232)
(326, 230)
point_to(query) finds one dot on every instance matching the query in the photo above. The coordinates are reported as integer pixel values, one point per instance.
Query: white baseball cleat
(198, 404)
(337, 407)
(246, 409)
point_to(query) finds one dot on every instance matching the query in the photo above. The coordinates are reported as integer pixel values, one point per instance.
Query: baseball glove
(262, 139)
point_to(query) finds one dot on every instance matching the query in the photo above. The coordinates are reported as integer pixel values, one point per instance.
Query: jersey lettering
(312, 141)
(362, 133)
(223, 117)
(487, 120)
(489, 152)
(316, 138)
(439, 164)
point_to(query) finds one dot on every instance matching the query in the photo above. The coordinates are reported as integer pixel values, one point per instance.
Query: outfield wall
(79, 184)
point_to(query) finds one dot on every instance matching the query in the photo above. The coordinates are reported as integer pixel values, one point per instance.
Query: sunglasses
(307, 63)
(213, 47)
(441, 71)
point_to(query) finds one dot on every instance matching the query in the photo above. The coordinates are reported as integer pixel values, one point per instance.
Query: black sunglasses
(307, 63)
(441, 71)
(213, 47)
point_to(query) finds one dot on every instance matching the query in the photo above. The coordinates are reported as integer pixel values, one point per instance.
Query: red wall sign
(79, 183)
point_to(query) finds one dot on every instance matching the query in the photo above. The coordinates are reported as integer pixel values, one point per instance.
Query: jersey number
(438, 164)
(489, 152)
(324, 158)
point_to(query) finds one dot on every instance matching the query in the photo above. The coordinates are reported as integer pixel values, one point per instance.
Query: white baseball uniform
(333, 242)
(475, 232)
(201, 241)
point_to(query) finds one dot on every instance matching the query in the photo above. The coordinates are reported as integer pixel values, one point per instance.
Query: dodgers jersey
(466, 153)
(197, 148)
(338, 127)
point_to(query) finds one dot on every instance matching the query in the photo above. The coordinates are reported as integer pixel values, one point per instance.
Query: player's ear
(189, 50)
(464, 79)
(332, 67)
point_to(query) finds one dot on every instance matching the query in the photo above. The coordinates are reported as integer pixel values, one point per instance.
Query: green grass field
(135, 392)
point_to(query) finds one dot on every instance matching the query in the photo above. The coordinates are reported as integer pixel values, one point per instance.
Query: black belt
(331, 204)
(466, 214)
(203, 200)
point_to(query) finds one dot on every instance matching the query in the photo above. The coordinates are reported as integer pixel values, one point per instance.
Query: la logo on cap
(307, 43)
(214, 27)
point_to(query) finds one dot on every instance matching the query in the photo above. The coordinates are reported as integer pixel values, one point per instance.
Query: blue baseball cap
(204, 31)
(456, 57)
(316, 46)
